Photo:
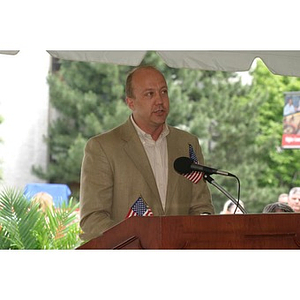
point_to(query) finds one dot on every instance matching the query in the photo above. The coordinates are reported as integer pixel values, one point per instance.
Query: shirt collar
(142, 134)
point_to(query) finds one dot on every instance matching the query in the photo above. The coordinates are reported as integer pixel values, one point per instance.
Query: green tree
(219, 110)
(283, 165)
(88, 99)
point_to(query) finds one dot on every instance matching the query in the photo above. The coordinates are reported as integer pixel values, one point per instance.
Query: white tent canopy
(9, 52)
(285, 63)
(279, 62)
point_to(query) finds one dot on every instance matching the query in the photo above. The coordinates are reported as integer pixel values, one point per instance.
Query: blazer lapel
(172, 175)
(135, 150)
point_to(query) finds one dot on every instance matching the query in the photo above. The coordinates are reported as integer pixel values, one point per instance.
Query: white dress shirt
(158, 157)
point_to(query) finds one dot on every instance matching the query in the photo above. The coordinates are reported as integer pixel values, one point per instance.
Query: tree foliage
(88, 99)
(283, 165)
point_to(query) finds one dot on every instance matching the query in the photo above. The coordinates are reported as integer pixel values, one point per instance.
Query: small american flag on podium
(139, 208)
(193, 176)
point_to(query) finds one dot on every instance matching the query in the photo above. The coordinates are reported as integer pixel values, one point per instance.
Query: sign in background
(291, 120)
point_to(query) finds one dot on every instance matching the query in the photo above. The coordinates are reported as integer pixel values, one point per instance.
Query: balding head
(130, 78)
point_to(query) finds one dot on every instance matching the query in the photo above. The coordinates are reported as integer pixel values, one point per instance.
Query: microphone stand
(208, 178)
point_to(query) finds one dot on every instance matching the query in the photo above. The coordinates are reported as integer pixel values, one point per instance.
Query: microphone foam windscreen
(182, 165)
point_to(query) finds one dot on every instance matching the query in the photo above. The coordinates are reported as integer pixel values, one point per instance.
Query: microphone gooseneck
(185, 165)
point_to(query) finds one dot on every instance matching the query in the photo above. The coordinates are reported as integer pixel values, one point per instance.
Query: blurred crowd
(286, 202)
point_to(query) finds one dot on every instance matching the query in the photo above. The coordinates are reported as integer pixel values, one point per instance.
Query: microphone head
(182, 165)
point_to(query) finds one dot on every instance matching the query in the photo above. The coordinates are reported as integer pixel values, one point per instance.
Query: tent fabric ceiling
(279, 62)
(9, 52)
(127, 58)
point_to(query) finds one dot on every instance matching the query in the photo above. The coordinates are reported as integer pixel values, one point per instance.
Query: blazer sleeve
(96, 183)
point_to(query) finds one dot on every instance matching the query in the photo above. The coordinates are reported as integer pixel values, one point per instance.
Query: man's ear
(130, 102)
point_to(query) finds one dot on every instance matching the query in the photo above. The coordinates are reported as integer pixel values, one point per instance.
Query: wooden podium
(247, 231)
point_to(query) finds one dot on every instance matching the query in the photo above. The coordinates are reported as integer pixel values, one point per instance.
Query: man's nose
(159, 98)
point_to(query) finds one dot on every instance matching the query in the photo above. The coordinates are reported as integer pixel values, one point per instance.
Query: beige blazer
(116, 171)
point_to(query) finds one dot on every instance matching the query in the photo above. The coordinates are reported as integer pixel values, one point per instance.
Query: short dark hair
(277, 207)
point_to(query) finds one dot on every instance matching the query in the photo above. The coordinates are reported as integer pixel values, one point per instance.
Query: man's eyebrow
(152, 89)
(148, 89)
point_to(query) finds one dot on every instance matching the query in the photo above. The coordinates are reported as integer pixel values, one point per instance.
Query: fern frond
(24, 226)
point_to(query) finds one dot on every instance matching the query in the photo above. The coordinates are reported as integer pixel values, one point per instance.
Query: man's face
(294, 202)
(150, 103)
(283, 199)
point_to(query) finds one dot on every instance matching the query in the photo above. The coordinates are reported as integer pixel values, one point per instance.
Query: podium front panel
(249, 231)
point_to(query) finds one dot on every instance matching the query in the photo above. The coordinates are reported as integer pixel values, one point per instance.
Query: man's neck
(155, 132)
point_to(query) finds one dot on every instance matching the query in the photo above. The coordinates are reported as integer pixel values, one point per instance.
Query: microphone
(184, 165)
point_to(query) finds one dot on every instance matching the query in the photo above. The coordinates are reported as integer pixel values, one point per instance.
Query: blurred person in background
(229, 208)
(283, 198)
(44, 200)
(277, 207)
(294, 199)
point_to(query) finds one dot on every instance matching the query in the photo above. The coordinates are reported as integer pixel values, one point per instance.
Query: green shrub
(24, 226)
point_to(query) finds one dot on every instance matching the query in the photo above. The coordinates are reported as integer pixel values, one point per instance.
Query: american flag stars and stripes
(193, 176)
(139, 208)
